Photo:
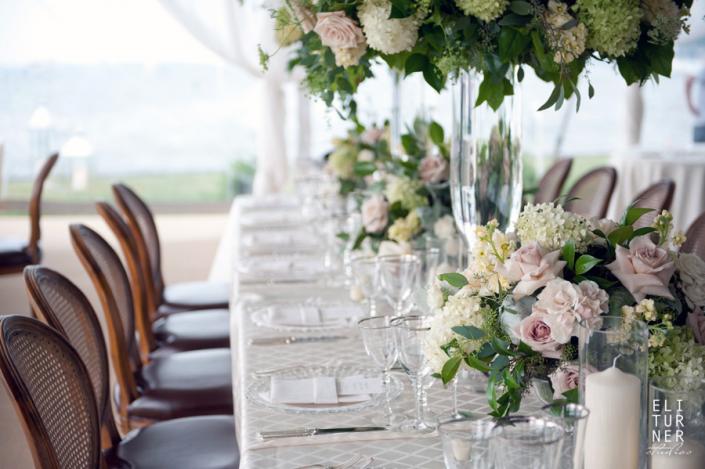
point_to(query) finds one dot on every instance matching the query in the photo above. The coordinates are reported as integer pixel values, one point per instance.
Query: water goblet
(365, 272)
(378, 336)
(573, 418)
(398, 274)
(523, 442)
(466, 442)
(411, 333)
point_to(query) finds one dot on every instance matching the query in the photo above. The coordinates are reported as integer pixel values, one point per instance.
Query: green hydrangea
(679, 356)
(342, 161)
(405, 191)
(613, 25)
(486, 10)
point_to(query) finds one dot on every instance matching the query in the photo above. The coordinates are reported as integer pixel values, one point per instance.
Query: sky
(90, 31)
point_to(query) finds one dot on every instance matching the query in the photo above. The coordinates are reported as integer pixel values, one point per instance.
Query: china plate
(261, 316)
(258, 390)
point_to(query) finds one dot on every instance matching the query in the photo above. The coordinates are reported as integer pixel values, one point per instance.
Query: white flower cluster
(385, 34)
(403, 229)
(665, 18)
(486, 10)
(566, 42)
(404, 190)
(461, 309)
(551, 226)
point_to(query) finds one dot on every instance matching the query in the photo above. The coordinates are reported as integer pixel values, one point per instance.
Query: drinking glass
(411, 332)
(466, 443)
(573, 418)
(527, 443)
(429, 262)
(398, 274)
(365, 272)
(378, 336)
(466, 378)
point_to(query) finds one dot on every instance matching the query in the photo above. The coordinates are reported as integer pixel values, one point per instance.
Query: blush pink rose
(696, 322)
(558, 304)
(338, 31)
(372, 135)
(644, 269)
(536, 333)
(532, 268)
(375, 214)
(564, 379)
(433, 169)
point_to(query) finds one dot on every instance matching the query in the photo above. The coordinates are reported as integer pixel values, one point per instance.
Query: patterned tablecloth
(389, 449)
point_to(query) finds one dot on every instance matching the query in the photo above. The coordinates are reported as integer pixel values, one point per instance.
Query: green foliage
(454, 279)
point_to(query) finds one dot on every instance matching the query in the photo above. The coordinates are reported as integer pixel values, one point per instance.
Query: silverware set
(304, 432)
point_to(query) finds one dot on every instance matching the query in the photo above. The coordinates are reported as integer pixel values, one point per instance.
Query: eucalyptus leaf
(469, 332)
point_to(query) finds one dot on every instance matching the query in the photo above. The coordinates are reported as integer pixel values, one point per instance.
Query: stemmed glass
(573, 417)
(365, 272)
(429, 261)
(398, 274)
(411, 332)
(466, 442)
(527, 443)
(378, 335)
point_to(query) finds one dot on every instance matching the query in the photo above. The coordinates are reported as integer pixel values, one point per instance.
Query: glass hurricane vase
(486, 165)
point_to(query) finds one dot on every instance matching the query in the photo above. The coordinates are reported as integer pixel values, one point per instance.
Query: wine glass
(573, 417)
(378, 336)
(365, 272)
(429, 261)
(527, 443)
(411, 332)
(398, 274)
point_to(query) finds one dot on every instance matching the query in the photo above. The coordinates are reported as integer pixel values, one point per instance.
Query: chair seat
(197, 295)
(195, 330)
(188, 443)
(185, 384)
(13, 253)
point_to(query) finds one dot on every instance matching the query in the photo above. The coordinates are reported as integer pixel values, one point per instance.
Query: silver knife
(286, 340)
(301, 432)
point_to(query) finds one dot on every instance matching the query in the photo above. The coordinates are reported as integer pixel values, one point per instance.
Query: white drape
(233, 30)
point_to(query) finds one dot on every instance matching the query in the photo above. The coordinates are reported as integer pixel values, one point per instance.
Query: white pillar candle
(689, 455)
(612, 434)
(461, 449)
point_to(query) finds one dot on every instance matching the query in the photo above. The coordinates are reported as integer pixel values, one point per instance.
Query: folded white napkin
(273, 238)
(323, 389)
(308, 315)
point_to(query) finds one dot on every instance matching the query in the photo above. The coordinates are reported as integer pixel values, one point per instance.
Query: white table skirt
(390, 450)
(639, 169)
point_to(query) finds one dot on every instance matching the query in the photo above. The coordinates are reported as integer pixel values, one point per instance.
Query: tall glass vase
(486, 165)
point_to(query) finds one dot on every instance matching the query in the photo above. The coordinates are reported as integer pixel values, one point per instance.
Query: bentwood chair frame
(657, 196)
(35, 210)
(37, 406)
(695, 237)
(610, 175)
(552, 182)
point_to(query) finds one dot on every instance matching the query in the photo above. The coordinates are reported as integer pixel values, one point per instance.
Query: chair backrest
(551, 183)
(62, 305)
(144, 229)
(110, 280)
(128, 245)
(35, 207)
(52, 393)
(695, 237)
(657, 196)
(591, 194)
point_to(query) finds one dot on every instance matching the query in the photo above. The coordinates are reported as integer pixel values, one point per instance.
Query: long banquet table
(389, 449)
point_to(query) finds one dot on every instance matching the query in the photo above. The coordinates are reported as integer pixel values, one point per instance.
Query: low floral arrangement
(411, 193)
(337, 43)
(358, 155)
(514, 313)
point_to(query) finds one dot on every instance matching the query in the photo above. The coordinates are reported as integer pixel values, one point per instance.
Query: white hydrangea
(666, 20)
(461, 309)
(486, 10)
(551, 226)
(388, 35)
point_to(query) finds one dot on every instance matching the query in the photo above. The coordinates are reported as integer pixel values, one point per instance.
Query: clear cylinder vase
(614, 365)
(486, 164)
(676, 423)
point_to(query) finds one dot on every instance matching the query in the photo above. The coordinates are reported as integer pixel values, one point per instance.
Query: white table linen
(637, 170)
(389, 449)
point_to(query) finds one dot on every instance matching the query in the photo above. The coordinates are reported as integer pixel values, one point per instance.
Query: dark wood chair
(163, 298)
(658, 196)
(551, 184)
(695, 237)
(591, 194)
(188, 330)
(177, 385)
(204, 442)
(15, 254)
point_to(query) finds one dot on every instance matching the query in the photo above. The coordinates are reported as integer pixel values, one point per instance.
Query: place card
(358, 384)
(316, 390)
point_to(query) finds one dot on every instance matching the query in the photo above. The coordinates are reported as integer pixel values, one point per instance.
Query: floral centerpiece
(337, 43)
(514, 313)
(358, 155)
(412, 192)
